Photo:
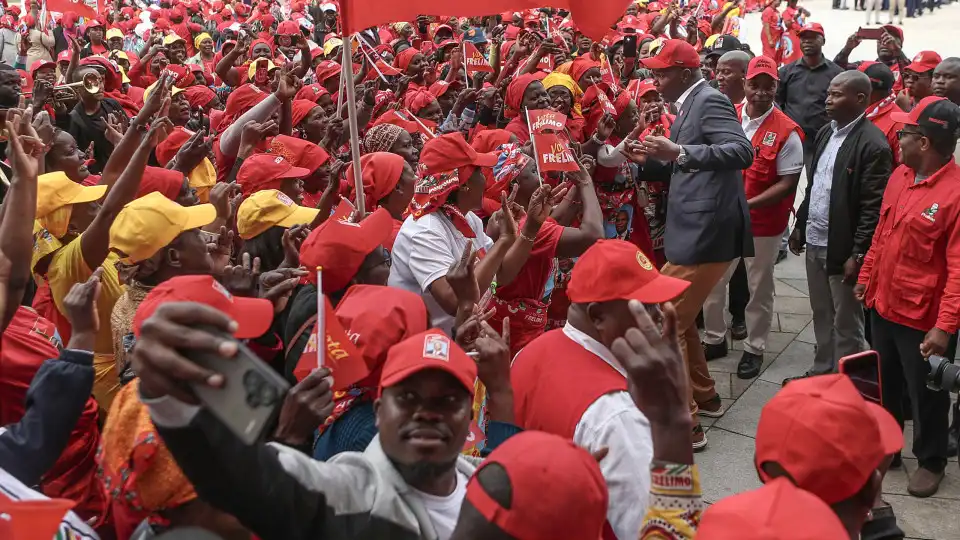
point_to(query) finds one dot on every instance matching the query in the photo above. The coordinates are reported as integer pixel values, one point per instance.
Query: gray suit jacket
(707, 216)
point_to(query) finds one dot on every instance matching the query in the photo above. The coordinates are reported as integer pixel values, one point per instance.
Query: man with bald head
(851, 164)
(731, 70)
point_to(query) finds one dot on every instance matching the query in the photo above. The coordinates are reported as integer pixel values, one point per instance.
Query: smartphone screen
(870, 33)
(864, 371)
(630, 46)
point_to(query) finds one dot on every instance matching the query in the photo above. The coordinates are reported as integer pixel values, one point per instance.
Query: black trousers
(903, 368)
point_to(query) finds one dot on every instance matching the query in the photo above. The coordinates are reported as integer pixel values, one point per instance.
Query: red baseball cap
(428, 350)
(823, 434)
(816, 28)
(253, 315)
(41, 64)
(761, 65)
(895, 31)
(933, 114)
(618, 270)
(340, 247)
(777, 510)
(639, 88)
(263, 171)
(673, 53)
(924, 61)
(380, 317)
(543, 504)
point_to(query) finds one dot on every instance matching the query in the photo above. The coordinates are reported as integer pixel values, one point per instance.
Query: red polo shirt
(912, 271)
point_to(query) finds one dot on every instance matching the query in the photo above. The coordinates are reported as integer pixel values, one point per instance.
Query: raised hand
(462, 279)
(242, 279)
(304, 408)
(277, 286)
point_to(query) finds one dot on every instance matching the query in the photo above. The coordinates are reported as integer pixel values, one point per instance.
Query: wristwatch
(682, 158)
(858, 258)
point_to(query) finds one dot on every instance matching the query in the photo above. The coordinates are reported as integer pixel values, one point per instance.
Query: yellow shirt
(68, 268)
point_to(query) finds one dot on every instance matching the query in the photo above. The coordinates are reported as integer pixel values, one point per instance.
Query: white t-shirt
(70, 527)
(444, 511)
(423, 252)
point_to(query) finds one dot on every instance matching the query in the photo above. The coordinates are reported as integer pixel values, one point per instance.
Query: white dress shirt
(686, 93)
(613, 421)
(818, 214)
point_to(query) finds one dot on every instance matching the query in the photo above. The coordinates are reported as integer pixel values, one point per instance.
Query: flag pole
(466, 72)
(374, 64)
(533, 141)
(321, 324)
(347, 79)
(417, 120)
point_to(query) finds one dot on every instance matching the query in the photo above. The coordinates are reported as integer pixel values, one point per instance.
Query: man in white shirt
(770, 184)
(568, 382)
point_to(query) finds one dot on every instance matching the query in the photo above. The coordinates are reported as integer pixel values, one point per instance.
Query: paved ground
(727, 463)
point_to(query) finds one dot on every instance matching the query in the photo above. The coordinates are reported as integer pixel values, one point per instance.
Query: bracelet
(525, 237)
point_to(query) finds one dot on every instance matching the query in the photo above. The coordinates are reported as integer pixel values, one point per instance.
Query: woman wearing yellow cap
(272, 226)
(72, 235)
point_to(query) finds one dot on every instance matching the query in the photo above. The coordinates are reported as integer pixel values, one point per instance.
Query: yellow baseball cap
(149, 90)
(253, 68)
(55, 190)
(172, 38)
(331, 44)
(149, 223)
(114, 32)
(269, 208)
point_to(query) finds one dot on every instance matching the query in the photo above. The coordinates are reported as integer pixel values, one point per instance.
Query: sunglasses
(901, 133)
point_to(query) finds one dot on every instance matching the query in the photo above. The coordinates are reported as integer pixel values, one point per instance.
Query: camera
(943, 374)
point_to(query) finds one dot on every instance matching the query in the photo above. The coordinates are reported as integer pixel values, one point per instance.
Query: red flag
(546, 63)
(593, 18)
(342, 357)
(475, 61)
(606, 103)
(80, 7)
(553, 153)
(542, 120)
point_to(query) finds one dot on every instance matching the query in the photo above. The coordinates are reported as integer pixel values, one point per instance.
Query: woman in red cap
(321, 186)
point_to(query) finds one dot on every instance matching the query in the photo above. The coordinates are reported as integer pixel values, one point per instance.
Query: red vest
(767, 142)
(555, 380)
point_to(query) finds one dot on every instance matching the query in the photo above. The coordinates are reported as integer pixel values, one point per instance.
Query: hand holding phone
(870, 33)
(864, 371)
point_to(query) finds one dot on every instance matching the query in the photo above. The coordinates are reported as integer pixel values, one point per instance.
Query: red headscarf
(258, 42)
(381, 173)
(581, 65)
(515, 92)
(404, 57)
(326, 69)
(300, 109)
(299, 152)
(490, 139)
(419, 99)
(169, 147)
(199, 96)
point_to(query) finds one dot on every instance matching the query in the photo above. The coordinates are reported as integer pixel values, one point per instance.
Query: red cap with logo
(639, 88)
(933, 114)
(816, 28)
(543, 504)
(340, 247)
(428, 350)
(253, 315)
(618, 270)
(778, 510)
(823, 434)
(264, 171)
(924, 61)
(673, 53)
(380, 317)
(761, 65)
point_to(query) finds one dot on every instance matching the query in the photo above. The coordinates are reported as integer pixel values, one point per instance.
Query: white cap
(328, 7)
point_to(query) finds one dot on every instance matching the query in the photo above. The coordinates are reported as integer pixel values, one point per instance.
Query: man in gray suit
(708, 223)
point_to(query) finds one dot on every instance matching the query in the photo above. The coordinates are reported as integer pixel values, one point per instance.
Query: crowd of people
(446, 336)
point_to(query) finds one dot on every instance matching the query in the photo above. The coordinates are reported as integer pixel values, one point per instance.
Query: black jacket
(863, 166)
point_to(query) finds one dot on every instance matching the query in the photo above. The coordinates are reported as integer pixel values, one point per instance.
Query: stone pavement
(726, 466)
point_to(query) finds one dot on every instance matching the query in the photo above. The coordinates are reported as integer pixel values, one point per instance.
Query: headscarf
(139, 473)
(165, 181)
(510, 164)
(417, 100)
(199, 39)
(581, 65)
(240, 101)
(560, 79)
(300, 110)
(312, 92)
(381, 137)
(381, 173)
(258, 42)
(199, 96)
(489, 140)
(403, 58)
(515, 92)
(622, 102)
